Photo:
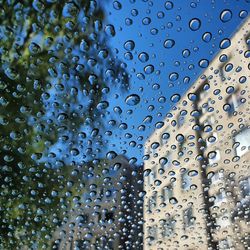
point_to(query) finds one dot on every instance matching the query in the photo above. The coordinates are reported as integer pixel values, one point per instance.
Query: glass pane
(124, 124)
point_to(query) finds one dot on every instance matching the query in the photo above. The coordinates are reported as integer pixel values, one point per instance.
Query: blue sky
(174, 69)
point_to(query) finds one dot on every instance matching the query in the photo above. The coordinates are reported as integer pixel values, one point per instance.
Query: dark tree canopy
(55, 74)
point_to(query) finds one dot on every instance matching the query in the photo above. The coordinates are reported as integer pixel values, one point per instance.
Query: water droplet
(226, 15)
(102, 105)
(169, 5)
(11, 73)
(117, 5)
(243, 14)
(129, 45)
(169, 43)
(146, 21)
(128, 21)
(193, 173)
(225, 43)
(173, 201)
(195, 24)
(34, 48)
(180, 138)
(203, 63)
(143, 57)
(134, 12)
(175, 98)
(173, 76)
(70, 10)
(132, 100)
(128, 56)
(186, 53)
(110, 30)
(38, 5)
(207, 36)
(149, 69)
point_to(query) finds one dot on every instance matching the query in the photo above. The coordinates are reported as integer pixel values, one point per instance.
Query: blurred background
(124, 124)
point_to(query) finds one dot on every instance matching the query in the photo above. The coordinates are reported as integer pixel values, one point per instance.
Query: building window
(210, 120)
(224, 69)
(186, 180)
(225, 244)
(207, 106)
(152, 201)
(183, 147)
(214, 157)
(217, 177)
(188, 219)
(223, 220)
(168, 228)
(203, 91)
(152, 232)
(247, 39)
(243, 141)
(180, 120)
(234, 102)
(108, 216)
(166, 162)
(245, 187)
(152, 176)
(220, 197)
(167, 193)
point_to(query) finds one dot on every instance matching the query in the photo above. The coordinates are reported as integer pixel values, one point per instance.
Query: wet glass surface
(124, 124)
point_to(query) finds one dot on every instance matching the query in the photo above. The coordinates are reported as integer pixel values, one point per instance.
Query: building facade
(197, 173)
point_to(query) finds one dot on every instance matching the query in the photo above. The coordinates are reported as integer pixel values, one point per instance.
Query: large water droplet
(149, 69)
(70, 10)
(169, 5)
(110, 30)
(169, 43)
(195, 24)
(175, 98)
(143, 57)
(226, 15)
(117, 5)
(132, 100)
(207, 36)
(225, 43)
(34, 48)
(203, 63)
(146, 21)
(129, 45)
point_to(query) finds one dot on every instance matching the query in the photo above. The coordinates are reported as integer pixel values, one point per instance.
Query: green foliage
(42, 44)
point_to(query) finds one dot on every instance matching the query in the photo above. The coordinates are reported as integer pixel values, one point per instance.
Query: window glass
(124, 124)
(242, 140)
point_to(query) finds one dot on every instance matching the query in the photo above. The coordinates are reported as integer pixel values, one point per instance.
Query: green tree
(56, 69)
